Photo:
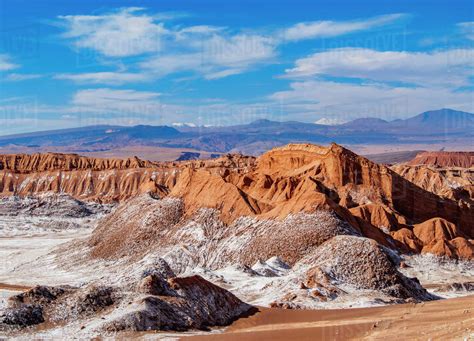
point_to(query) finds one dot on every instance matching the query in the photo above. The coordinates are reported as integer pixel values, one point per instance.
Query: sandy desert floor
(451, 319)
(27, 261)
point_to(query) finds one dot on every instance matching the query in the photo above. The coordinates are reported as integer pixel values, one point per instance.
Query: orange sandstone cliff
(444, 159)
(372, 198)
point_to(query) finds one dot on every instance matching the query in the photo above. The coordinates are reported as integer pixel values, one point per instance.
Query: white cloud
(113, 78)
(105, 100)
(17, 77)
(6, 64)
(316, 98)
(223, 73)
(322, 29)
(239, 50)
(85, 96)
(216, 56)
(167, 64)
(467, 28)
(200, 29)
(449, 67)
(119, 34)
(209, 51)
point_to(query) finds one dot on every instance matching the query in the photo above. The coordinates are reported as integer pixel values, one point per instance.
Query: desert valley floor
(301, 242)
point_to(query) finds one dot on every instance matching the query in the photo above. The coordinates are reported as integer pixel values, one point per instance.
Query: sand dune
(451, 319)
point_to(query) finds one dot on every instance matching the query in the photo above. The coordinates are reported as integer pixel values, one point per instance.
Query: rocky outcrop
(48, 204)
(443, 238)
(444, 159)
(181, 304)
(294, 248)
(100, 180)
(451, 183)
(379, 216)
(47, 162)
(146, 223)
(362, 263)
(156, 301)
(298, 178)
(436, 236)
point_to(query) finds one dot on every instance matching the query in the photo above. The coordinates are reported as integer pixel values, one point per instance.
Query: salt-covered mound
(135, 227)
(49, 204)
(444, 159)
(248, 240)
(155, 301)
(146, 224)
(180, 304)
(363, 264)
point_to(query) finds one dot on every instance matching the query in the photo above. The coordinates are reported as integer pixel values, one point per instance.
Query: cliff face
(102, 180)
(450, 182)
(444, 159)
(288, 180)
(446, 174)
(32, 163)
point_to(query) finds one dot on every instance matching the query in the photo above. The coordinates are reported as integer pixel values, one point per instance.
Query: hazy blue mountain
(257, 136)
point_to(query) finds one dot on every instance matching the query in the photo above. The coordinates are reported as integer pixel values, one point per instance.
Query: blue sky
(67, 64)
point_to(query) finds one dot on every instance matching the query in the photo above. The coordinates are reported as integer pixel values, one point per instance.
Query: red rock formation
(378, 216)
(443, 238)
(444, 159)
(287, 180)
(102, 180)
(452, 183)
(436, 229)
(409, 239)
(32, 163)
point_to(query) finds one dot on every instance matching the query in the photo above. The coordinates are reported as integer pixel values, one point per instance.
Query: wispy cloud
(106, 94)
(105, 100)
(18, 77)
(347, 83)
(467, 28)
(6, 64)
(437, 68)
(126, 32)
(313, 98)
(209, 51)
(216, 56)
(322, 29)
(114, 78)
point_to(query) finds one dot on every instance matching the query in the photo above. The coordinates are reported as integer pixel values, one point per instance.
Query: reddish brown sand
(451, 319)
(14, 287)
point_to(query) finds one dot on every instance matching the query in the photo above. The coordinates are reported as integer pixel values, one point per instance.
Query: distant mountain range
(255, 137)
